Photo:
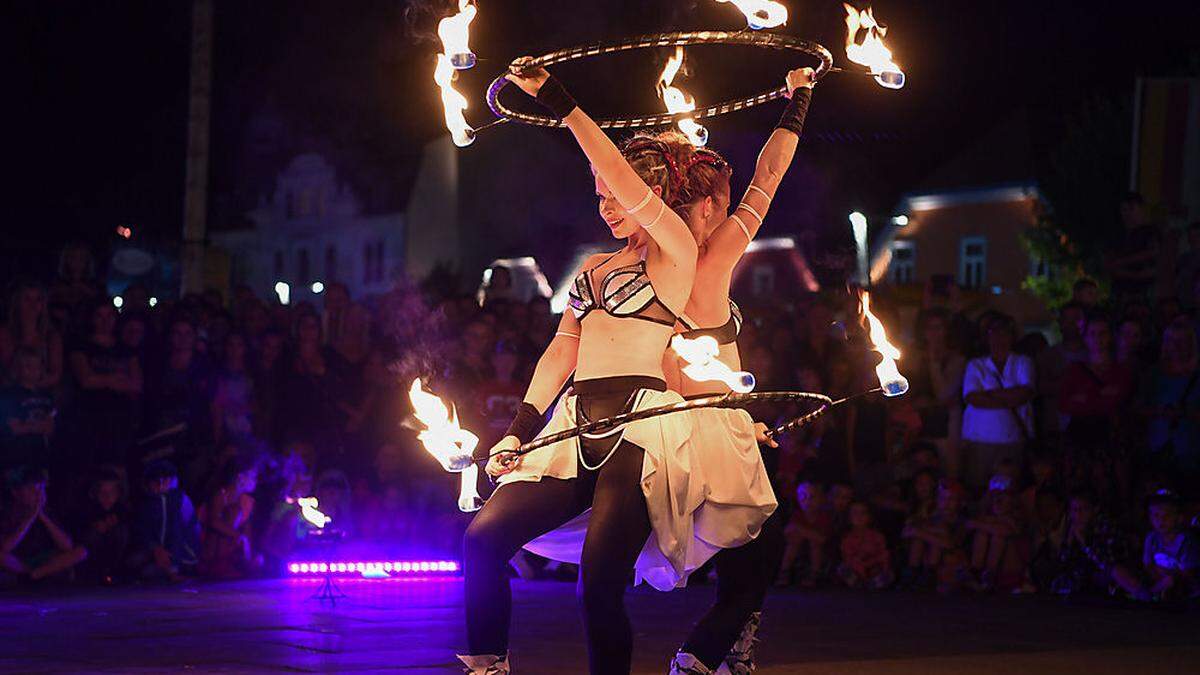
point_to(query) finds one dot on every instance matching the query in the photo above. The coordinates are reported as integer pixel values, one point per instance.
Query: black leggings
(743, 576)
(617, 530)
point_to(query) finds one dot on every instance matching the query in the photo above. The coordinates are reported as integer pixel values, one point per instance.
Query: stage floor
(414, 627)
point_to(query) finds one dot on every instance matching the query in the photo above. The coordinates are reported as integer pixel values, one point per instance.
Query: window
(1040, 269)
(763, 279)
(972, 262)
(373, 262)
(904, 262)
(304, 275)
(331, 263)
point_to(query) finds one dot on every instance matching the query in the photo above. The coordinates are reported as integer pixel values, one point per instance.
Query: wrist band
(526, 424)
(553, 96)
(796, 111)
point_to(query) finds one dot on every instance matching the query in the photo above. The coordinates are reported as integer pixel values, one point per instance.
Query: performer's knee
(484, 543)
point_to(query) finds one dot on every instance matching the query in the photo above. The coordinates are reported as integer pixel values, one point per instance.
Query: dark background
(99, 92)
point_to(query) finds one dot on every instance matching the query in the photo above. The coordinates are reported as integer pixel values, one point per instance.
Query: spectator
(305, 409)
(1171, 403)
(999, 556)
(29, 327)
(233, 395)
(1171, 554)
(1134, 267)
(1094, 393)
(1131, 345)
(103, 528)
(936, 377)
(810, 528)
(75, 289)
(935, 544)
(841, 496)
(227, 551)
(32, 545)
(181, 390)
(865, 557)
(27, 411)
(167, 530)
(1086, 292)
(998, 388)
(1094, 553)
(1052, 365)
(501, 394)
(1048, 534)
(110, 385)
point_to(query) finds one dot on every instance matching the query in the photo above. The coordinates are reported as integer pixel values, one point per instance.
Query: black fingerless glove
(796, 111)
(527, 422)
(554, 97)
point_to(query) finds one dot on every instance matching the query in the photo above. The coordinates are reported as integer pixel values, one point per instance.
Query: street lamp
(284, 291)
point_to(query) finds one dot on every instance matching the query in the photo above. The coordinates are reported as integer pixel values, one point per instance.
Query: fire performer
(623, 310)
(726, 440)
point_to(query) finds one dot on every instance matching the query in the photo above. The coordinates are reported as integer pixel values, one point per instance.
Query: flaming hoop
(773, 41)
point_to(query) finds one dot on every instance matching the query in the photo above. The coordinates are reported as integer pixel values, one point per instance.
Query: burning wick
(308, 509)
(678, 101)
(761, 14)
(455, 31)
(704, 366)
(871, 53)
(451, 445)
(456, 55)
(890, 380)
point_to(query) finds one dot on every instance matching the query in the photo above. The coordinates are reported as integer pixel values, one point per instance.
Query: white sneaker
(484, 664)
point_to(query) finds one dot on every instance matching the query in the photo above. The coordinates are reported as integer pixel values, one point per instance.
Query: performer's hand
(506, 461)
(530, 80)
(760, 435)
(800, 77)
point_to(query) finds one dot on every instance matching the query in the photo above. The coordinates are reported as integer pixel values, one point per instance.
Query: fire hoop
(679, 39)
(730, 400)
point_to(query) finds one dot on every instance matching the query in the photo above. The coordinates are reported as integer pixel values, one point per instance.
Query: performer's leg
(743, 576)
(515, 514)
(617, 532)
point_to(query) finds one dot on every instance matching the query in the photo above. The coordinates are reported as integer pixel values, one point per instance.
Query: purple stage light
(373, 569)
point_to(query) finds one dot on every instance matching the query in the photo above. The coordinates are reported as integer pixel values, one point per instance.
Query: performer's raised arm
(730, 239)
(661, 223)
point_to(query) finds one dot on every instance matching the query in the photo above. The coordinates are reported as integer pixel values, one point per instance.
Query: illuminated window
(904, 262)
(972, 262)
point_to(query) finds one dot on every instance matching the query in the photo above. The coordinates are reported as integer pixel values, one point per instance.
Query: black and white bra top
(625, 292)
(724, 335)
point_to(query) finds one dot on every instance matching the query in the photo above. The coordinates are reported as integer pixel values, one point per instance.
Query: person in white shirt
(998, 420)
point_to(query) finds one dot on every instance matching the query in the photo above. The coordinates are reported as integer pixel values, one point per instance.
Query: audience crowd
(172, 439)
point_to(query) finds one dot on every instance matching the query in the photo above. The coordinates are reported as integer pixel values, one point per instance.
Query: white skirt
(702, 477)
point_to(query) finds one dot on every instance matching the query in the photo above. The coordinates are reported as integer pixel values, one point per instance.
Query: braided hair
(681, 171)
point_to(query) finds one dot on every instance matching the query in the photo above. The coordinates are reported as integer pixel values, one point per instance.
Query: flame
(871, 53)
(704, 366)
(455, 32)
(890, 379)
(761, 13)
(450, 444)
(308, 509)
(456, 55)
(678, 101)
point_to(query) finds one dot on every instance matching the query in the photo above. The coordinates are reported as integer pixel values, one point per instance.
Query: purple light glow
(355, 567)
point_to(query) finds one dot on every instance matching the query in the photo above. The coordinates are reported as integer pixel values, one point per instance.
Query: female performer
(725, 439)
(623, 309)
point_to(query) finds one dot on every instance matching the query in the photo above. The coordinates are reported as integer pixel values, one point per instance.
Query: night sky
(100, 91)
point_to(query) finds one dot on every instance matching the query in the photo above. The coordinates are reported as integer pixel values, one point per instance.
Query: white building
(312, 228)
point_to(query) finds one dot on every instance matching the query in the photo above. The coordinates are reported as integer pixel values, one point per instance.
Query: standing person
(28, 327)
(180, 390)
(1171, 402)
(27, 414)
(741, 497)
(1052, 364)
(937, 387)
(1094, 395)
(622, 311)
(1133, 266)
(998, 421)
(109, 382)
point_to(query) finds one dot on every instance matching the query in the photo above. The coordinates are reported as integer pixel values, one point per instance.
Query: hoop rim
(656, 40)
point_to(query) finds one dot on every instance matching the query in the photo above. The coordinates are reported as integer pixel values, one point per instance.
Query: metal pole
(195, 198)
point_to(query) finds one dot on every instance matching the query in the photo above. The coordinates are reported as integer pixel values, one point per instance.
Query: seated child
(167, 531)
(865, 556)
(1094, 554)
(226, 551)
(103, 528)
(32, 545)
(1171, 554)
(935, 544)
(999, 552)
(810, 527)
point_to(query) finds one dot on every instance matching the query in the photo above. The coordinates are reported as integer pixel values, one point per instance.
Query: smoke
(421, 18)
